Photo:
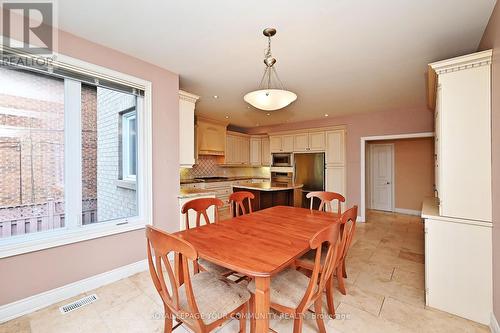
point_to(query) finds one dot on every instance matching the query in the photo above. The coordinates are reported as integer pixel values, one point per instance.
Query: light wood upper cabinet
(237, 149)
(317, 141)
(282, 144)
(266, 152)
(211, 137)
(256, 151)
(187, 103)
(275, 144)
(301, 142)
(335, 147)
(287, 143)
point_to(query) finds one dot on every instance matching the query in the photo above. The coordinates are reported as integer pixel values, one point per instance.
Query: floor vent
(78, 304)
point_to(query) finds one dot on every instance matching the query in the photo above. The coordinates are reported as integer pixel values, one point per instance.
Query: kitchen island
(268, 194)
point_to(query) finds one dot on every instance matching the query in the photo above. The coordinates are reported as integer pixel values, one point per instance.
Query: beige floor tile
(115, 294)
(412, 256)
(412, 279)
(20, 325)
(362, 299)
(359, 321)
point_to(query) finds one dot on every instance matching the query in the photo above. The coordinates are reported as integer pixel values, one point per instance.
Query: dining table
(259, 245)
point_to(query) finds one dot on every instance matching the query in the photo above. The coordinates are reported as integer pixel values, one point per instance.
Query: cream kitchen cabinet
(187, 145)
(211, 137)
(256, 151)
(335, 148)
(237, 149)
(463, 136)
(314, 141)
(266, 152)
(282, 143)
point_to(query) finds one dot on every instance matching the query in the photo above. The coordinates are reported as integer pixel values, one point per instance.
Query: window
(66, 144)
(129, 145)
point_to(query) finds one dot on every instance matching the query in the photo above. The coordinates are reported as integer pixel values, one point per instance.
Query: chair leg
(297, 323)
(251, 310)
(318, 308)
(344, 273)
(243, 320)
(168, 320)
(340, 279)
(329, 297)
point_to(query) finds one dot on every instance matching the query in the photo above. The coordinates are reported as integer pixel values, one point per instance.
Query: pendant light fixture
(271, 95)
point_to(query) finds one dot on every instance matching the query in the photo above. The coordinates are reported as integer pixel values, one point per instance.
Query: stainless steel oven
(282, 160)
(281, 179)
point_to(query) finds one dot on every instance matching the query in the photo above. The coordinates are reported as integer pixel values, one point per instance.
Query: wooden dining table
(259, 245)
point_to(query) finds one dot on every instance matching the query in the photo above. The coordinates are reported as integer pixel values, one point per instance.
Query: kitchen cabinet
(335, 148)
(314, 141)
(237, 149)
(256, 151)
(282, 143)
(266, 152)
(211, 137)
(463, 132)
(187, 145)
(458, 264)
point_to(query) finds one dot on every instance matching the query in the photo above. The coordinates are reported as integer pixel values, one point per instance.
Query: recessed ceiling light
(248, 107)
(326, 114)
(268, 114)
(227, 117)
(216, 96)
(256, 124)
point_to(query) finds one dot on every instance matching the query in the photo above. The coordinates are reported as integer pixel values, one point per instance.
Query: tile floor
(385, 293)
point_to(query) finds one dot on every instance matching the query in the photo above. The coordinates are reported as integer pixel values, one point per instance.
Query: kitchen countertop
(228, 179)
(193, 193)
(430, 210)
(266, 186)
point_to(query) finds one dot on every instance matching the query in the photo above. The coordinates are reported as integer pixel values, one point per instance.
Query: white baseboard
(360, 219)
(39, 301)
(494, 327)
(407, 211)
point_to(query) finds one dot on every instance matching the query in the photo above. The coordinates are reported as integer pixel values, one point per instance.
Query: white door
(381, 158)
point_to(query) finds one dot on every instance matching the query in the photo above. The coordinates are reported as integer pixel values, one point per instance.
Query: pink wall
(491, 40)
(32, 273)
(361, 125)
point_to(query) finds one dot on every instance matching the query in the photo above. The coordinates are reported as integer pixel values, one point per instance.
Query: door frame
(363, 141)
(393, 175)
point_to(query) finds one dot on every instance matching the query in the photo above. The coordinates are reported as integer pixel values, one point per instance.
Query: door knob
(388, 183)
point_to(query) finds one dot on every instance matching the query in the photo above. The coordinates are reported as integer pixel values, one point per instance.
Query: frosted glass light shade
(270, 99)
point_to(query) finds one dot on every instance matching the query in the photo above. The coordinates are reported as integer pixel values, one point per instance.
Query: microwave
(282, 160)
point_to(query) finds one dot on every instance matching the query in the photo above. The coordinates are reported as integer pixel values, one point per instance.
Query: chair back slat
(200, 206)
(237, 202)
(326, 199)
(159, 245)
(348, 228)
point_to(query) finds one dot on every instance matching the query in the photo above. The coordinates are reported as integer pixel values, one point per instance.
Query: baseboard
(39, 301)
(360, 219)
(407, 211)
(494, 327)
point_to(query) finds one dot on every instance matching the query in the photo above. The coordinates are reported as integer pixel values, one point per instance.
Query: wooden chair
(200, 206)
(293, 293)
(326, 200)
(307, 262)
(203, 302)
(326, 204)
(237, 203)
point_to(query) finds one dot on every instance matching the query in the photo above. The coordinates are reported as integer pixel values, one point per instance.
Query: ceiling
(338, 56)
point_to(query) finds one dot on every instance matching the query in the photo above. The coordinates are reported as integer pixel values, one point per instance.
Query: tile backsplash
(207, 166)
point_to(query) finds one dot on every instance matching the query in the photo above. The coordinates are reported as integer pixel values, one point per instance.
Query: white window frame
(73, 231)
(125, 140)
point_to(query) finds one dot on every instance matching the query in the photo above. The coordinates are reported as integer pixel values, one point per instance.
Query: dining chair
(202, 302)
(326, 204)
(308, 261)
(292, 292)
(237, 202)
(201, 206)
(326, 200)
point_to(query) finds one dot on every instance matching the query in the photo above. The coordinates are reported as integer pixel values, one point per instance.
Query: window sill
(127, 184)
(49, 239)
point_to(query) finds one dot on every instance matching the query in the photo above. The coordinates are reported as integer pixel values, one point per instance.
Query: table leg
(262, 304)
(178, 268)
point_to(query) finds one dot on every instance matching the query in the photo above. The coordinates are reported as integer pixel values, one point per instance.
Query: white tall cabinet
(458, 245)
(187, 103)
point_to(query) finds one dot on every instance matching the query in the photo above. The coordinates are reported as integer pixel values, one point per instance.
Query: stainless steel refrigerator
(309, 169)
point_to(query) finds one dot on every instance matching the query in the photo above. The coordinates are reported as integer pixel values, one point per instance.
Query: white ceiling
(338, 56)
